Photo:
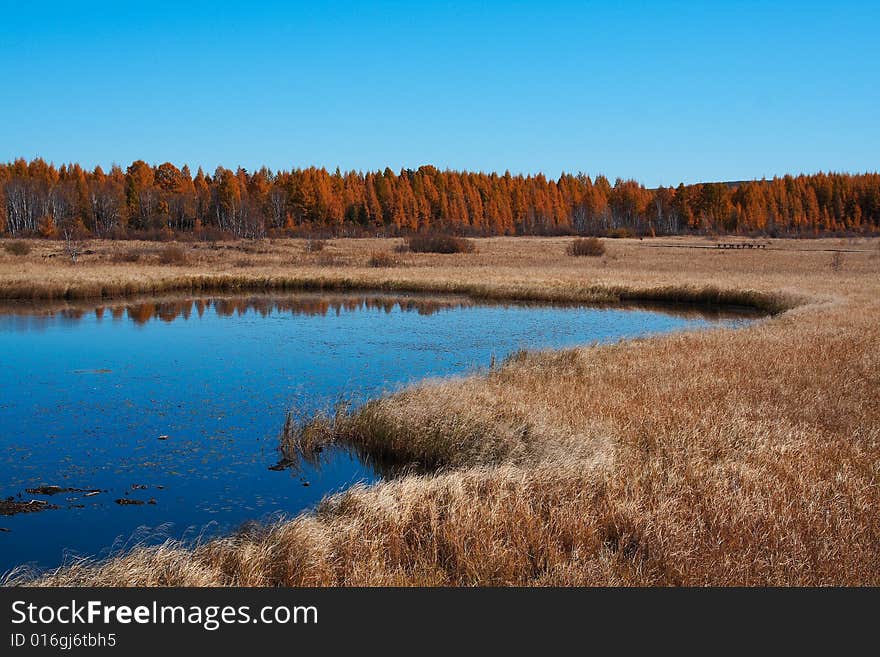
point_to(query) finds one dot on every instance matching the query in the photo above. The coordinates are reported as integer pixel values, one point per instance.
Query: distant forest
(156, 202)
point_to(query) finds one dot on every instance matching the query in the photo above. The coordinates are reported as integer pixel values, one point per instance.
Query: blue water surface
(86, 393)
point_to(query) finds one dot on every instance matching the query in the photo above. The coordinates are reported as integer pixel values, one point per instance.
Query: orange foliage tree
(160, 200)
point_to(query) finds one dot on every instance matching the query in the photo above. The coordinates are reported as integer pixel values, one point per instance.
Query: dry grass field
(723, 457)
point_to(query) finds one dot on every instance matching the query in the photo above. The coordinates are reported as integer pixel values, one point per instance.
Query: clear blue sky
(660, 91)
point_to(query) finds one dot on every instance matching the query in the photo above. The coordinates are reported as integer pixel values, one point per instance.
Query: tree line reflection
(169, 310)
(38, 315)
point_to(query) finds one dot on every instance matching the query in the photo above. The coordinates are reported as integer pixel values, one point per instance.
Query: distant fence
(740, 245)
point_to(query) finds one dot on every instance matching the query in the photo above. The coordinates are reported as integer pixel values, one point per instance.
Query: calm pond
(174, 406)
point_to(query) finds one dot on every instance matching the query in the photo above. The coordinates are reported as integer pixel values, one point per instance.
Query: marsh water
(165, 413)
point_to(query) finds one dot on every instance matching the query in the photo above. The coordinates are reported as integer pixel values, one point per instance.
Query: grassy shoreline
(307, 274)
(747, 456)
(195, 285)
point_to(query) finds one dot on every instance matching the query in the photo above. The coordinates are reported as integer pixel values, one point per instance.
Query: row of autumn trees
(37, 198)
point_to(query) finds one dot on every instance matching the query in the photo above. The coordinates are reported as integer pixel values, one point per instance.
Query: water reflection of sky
(85, 394)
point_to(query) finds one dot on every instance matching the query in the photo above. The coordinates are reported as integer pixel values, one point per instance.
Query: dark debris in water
(129, 501)
(125, 501)
(10, 506)
(55, 490)
(15, 505)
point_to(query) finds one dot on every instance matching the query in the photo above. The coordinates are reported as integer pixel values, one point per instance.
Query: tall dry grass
(747, 456)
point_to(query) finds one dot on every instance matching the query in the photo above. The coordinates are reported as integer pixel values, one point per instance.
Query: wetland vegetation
(728, 456)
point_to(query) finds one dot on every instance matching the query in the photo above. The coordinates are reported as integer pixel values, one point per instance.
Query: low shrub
(214, 234)
(315, 246)
(589, 246)
(17, 248)
(128, 255)
(619, 233)
(328, 260)
(439, 243)
(173, 255)
(381, 259)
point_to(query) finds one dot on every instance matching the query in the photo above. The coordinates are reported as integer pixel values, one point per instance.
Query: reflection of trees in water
(172, 309)
(169, 309)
